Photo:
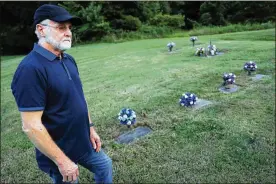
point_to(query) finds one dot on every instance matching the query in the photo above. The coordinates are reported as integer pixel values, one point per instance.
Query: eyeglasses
(61, 28)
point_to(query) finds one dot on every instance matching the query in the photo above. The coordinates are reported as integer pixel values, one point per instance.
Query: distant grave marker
(133, 135)
(212, 50)
(219, 53)
(193, 39)
(228, 85)
(170, 45)
(201, 103)
(191, 100)
(188, 99)
(231, 89)
(250, 67)
(259, 77)
(200, 52)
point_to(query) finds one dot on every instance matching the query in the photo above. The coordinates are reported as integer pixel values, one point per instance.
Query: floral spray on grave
(127, 117)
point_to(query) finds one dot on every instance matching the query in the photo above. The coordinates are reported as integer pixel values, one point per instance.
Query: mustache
(67, 39)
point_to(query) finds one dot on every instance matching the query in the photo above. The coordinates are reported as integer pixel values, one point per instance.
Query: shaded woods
(104, 21)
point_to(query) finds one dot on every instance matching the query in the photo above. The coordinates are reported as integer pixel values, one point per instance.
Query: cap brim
(67, 18)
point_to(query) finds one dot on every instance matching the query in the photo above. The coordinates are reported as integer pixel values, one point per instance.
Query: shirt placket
(65, 68)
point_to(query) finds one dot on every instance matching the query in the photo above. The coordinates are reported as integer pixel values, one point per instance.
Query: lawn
(230, 141)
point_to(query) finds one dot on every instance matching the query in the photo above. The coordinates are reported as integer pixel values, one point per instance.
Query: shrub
(176, 21)
(131, 23)
(128, 22)
(210, 30)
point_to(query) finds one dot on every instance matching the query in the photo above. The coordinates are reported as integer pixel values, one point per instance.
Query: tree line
(102, 18)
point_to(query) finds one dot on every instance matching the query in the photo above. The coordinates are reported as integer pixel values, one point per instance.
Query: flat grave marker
(132, 135)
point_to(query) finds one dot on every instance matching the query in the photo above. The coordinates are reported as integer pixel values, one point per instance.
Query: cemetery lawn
(232, 140)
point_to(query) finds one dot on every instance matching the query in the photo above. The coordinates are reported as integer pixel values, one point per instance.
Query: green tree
(17, 32)
(191, 10)
(94, 26)
(214, 12)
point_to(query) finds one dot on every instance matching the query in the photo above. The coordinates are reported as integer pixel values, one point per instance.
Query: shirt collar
(45, 53)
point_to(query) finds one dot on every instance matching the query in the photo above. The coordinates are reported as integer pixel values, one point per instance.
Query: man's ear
(40, 30)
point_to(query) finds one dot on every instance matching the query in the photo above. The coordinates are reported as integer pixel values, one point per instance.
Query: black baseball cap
(54, 13)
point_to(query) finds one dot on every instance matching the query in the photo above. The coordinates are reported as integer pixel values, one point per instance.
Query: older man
(48, 92)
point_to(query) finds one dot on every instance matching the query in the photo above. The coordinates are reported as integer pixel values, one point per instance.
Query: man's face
(59, 35)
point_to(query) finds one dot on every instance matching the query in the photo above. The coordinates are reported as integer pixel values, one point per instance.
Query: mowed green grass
(232, 140)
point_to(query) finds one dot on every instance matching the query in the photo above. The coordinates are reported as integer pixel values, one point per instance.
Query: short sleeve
(29, 88)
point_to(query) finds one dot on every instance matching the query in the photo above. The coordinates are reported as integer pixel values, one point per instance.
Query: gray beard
(57, 45)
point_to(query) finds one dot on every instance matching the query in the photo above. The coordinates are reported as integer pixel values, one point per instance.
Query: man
(54, 112)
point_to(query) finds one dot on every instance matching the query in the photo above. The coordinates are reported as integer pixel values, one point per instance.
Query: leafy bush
(131, 23)
(145, 32)
(156, 31)
(176, 21)
(128, 22)
(117, 23)
(210, 30)
(94, 26)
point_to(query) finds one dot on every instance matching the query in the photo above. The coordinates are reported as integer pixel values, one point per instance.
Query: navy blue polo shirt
(45, 82)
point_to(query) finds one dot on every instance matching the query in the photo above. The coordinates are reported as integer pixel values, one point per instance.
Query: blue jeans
(98, 163)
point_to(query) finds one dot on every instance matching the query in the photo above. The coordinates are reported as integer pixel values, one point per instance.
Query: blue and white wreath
(229, 78)
(127, 116)
(188, 99)
(193, 38)
(200, 51)
(250, 66)
(171, 44)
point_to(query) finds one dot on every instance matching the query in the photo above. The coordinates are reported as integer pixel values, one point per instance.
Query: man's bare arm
(94, 137)
(40, 137)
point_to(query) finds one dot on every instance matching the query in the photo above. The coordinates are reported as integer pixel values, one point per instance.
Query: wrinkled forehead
(67, 23)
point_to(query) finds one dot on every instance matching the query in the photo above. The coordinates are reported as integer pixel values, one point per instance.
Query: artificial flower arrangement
(188, 99)
(200, 51)
(212, 50)
(250, 67)
(170, 45)
(193, 39)
(127, 117)
(229, 79)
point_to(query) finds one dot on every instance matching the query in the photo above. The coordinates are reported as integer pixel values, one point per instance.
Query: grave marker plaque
(133, 135)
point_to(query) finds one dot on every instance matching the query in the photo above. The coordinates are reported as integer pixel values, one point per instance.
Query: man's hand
(94, 137)
(95, 140)
(69, 170)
